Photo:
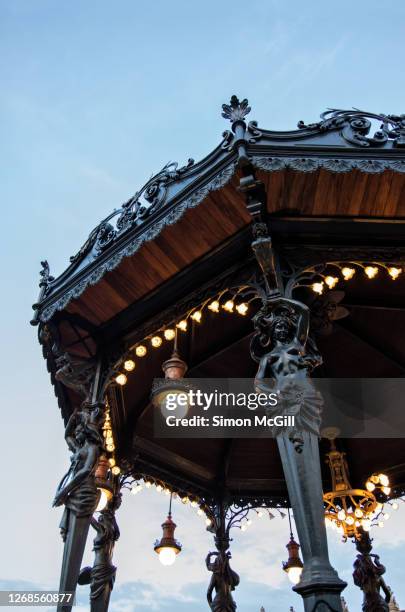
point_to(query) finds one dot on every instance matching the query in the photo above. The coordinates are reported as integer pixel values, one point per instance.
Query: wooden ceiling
(223, 213)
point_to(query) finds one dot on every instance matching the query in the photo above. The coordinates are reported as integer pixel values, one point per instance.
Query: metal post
(286, 358)
(78, 491)
(224, 580)
(101, 576)
(320, 585)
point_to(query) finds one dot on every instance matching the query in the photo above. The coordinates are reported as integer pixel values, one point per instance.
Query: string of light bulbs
(137, 487)
(229, 305)
(349, 269)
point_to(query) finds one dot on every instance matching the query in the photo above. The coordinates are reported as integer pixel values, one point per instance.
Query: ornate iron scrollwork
(355, 126)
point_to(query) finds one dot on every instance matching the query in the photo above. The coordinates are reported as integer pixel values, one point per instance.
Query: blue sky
(95, 97)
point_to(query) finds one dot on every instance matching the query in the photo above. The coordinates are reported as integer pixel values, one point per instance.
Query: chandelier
(351, 511)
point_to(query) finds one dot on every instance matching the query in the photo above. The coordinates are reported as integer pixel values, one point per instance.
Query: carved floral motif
(236, 110)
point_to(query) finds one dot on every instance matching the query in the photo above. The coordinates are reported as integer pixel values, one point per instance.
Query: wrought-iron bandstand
(278, 257)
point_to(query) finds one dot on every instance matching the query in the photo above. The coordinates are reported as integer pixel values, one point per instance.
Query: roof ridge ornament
(355, 126)
(236, 110)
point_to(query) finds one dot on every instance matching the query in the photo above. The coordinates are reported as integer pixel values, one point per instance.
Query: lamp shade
(294, 565)
(167, 547)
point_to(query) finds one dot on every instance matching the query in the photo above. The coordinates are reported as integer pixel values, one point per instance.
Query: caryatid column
(101, 576)
(78, 492)
(223, 580)
(368, 575)
(286, 357)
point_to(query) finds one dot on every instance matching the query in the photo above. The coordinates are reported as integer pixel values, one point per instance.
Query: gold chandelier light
(349, 510)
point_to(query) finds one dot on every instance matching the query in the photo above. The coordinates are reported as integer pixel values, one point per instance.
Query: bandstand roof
(335, 192)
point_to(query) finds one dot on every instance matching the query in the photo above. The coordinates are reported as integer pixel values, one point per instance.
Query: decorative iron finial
(45, 279)
(235, 110)
(45, 275)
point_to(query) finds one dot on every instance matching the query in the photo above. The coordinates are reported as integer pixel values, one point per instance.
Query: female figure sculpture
(223, 580)
(77, 489)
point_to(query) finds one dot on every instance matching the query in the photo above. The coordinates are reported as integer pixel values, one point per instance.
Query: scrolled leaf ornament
(355, 126)
(236, 110)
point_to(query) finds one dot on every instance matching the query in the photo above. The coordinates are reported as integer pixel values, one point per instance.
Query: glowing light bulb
(348, 273)
(386, 516)
(197, 316)
(395, 506)
(374, 478)
(182, 325)
(294, 574)
(111, 462)
(317, 288)
(394, 272)
(156, 341)
(228, 306)
(167, 556)
(349, 520)
(260, 514)
(103, 501)
(129, 365)
(341, 515)
(371, 271)
(242, 309)
(121, 379)
(148, 484)
(167, 491)
(366, 524)
(159, 488)
(358, 513)
(249, 521)
(331, 281)
(185, 500)
(381, 524)
(370, 486)
(110, 448)
(243, 528)
(116, 470)
(384, 480)
(169, 334)
(208, 522)
(194, 504)
(214, 306)
(141, 351)
(386, 490)
(200, 512)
